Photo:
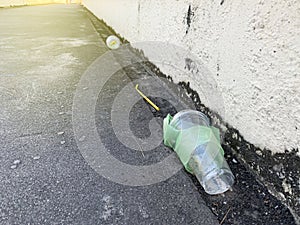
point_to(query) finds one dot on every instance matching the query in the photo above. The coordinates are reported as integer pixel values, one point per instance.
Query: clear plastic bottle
(207, 161)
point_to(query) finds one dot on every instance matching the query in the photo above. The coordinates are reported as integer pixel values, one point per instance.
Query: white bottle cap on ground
(113, 42)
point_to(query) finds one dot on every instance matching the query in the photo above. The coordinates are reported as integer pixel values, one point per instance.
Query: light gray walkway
(44, 50)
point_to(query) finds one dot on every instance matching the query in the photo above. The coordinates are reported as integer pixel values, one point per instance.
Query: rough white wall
(251, 47)
(8, 3)
(5, 3)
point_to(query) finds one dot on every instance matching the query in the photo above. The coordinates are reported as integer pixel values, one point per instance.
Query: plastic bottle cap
(113, 42)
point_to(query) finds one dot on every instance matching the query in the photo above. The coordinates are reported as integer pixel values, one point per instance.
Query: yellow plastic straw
(147, 99)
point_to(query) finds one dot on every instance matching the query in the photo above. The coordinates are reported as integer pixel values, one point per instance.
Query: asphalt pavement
(44, 178)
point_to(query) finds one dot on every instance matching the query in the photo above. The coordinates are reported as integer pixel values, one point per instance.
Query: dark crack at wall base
(258, 172)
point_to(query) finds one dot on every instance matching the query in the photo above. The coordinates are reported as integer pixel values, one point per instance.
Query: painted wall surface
(251, 47)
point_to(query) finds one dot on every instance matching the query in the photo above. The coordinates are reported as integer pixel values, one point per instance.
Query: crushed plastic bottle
(198, 146)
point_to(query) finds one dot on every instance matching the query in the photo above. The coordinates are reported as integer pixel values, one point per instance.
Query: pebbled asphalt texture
(44, 179)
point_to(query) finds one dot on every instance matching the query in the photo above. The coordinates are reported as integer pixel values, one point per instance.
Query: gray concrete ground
(44, 179)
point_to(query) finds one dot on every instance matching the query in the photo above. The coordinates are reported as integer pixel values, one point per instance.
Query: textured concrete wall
(7, 3)
(250, 46)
